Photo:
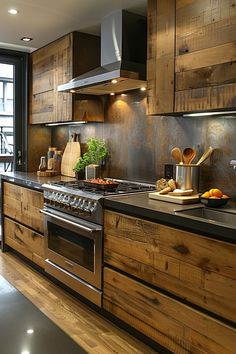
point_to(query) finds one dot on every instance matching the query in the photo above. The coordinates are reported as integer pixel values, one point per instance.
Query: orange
(211, 192)
(217, 193)
(205, 195)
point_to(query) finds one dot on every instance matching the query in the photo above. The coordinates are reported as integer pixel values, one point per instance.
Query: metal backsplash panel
(140, 145)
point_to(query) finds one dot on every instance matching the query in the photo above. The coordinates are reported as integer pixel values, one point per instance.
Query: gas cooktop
(86, 201)
(116, 186)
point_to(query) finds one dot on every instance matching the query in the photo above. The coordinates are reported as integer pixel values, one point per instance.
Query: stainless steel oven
(73, 250)
(73, 216)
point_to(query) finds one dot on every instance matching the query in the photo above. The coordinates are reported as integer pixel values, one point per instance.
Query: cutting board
(70, 156)
(174, 199)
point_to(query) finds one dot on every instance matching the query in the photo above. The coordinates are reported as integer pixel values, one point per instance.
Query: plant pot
(92, 171)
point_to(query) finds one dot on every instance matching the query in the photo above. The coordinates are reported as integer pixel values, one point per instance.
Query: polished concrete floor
(26, 330)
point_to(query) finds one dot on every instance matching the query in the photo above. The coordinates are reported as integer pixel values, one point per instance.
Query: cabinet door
(23, 204)
(167, 321)
(198, 269)
(26, 241)
(51, 66)
(205, 55)
(191, 56)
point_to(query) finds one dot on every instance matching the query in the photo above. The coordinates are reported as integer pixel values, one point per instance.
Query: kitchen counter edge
(31, 180)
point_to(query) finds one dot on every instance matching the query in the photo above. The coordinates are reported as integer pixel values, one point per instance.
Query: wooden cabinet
(55, 64)
(23, 222)
(191, 56)
(196, 274)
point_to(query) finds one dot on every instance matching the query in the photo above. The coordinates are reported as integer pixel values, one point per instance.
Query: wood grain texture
(166, 320)
(203, 24)
(225, 53)
(23, 205)
(56, 64)
(193, 267)
(160, 63)
(25, 241)
(90, 330)
(206, 98)
(204, 77)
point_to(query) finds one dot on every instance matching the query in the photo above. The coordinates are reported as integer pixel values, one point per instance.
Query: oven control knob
(93, 206)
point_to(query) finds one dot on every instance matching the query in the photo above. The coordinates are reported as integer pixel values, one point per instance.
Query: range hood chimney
(123, 57)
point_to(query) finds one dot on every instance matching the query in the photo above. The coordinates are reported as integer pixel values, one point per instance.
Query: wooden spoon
(176, 154)
(205, 155)
(188, 155)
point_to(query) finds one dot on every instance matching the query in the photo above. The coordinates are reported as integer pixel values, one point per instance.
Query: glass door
(13, 110)
(6, 117)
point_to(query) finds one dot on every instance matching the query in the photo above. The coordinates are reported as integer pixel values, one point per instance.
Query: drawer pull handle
(181, 249)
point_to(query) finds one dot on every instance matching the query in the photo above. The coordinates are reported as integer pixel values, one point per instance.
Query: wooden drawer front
(169, 322)
(23, 204)
(199, 269)
(25, 241)
(12, 200)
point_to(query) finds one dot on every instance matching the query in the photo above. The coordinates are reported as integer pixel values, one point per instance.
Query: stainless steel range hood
(123, 57)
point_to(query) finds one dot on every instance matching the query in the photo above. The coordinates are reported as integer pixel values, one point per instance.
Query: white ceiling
(47, 20)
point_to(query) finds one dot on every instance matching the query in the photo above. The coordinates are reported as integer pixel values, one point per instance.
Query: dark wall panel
(140, 145)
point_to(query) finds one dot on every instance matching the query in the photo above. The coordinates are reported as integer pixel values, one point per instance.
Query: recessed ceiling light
(143, 88)
(13, 11)
(114, 81)
(30, 331)
(26, 39)
(112, 94)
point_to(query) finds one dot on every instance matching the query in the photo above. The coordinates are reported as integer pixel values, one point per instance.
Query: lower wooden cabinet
(196, 272)
(23, 222)
(174, 325)
(23, 204)
(24, 240)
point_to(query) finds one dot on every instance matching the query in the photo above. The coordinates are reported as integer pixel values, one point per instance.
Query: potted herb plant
(91, 160)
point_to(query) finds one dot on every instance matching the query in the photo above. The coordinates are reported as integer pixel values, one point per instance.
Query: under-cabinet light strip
(201, 114)
(65, 123)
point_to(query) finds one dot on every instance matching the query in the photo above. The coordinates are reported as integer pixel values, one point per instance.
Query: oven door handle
(85, 228)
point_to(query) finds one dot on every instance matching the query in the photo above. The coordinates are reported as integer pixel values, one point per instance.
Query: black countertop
(142, 206)
(31, 180)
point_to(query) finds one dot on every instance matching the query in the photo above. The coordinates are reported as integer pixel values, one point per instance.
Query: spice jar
(50, 154)
(57, 157)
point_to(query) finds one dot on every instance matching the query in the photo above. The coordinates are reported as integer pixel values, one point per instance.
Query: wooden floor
(90, 330)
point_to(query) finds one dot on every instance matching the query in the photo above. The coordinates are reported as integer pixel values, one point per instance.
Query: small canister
(187, 177)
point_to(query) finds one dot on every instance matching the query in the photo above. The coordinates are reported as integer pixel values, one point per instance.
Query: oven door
(73, 250)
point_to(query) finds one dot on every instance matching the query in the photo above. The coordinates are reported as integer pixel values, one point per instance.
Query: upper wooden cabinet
(55, 64)
(191, 56)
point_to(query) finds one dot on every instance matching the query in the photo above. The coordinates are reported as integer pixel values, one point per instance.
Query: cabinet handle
(181, 249)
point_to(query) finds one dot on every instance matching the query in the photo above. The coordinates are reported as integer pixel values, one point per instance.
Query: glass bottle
(50, 154)
(43, 163)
